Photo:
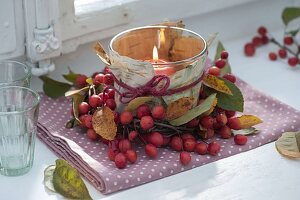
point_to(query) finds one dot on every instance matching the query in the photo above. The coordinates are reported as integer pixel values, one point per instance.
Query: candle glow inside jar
(168, 49)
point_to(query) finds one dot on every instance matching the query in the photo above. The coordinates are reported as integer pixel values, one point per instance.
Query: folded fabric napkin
(90, 158)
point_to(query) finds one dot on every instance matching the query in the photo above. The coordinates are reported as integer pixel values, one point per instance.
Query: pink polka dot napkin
(90, 158)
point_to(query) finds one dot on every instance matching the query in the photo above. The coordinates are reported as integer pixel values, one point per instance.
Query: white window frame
(53, 29)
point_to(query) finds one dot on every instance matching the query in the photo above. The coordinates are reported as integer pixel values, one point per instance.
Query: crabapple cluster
(105, 97)
(288, 49)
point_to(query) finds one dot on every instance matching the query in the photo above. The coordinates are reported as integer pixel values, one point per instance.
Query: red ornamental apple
(230, 77)
(120, 161)
(185, 157)
(193, 123)
(249, 49)
(80, 81)
(221, 119)
(143, 110)
(126, 117)
(234, 123)
(158, 112)
(124, 145)
(240, 139)
(229, 113)
(146, 122)
(95, 101)
(213, 148)
(83, 108)
(176, 143)
(111, 93)
(225, 132)
(207, 122)
(132, 135)
(156, 139)
(151, 150)
(82, 120)
(108, 79)
(201, 148)
(186, 136)
(189, 145)
(98, 79)
(111, 104)
(92, 135)
(112, 154)
(131, 156)
(88, 121)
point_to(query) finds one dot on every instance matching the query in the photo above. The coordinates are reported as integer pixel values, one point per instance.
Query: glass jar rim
(204, 50)
(26, 68)
(36, 96)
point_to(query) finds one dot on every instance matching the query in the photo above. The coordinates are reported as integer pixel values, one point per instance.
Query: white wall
(231, 23)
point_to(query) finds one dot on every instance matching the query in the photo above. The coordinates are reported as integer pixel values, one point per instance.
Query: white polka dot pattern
(90, 158)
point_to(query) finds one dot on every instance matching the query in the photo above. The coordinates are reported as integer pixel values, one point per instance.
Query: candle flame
(155, 54)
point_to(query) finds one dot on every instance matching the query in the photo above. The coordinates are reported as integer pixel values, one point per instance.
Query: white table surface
(261, 173)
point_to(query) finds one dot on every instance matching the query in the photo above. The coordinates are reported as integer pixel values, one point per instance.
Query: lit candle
(158, 68)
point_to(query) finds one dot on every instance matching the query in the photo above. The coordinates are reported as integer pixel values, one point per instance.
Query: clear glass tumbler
(19, 107)
(14, 74)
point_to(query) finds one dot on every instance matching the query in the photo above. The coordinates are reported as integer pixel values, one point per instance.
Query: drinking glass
(14, 73)
(19, 107)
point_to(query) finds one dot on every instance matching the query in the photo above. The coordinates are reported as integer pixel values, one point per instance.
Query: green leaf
(53, 88)
(293, 32)
(289, 14)
(48, 177)
(228, 102)
(246, 131)
(195, 112)
(67, 181)
(71, 76)
(227, 68)
(77, 99)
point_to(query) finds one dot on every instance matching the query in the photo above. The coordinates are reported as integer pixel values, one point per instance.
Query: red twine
(150, 88)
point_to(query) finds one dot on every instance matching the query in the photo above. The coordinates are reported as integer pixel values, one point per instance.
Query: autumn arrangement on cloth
(136, 124)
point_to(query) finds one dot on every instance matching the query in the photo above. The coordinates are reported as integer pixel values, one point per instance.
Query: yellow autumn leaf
(104, 124)
(135, 103)
(247, 121)
(288, 144)
(179, 107)
(216, 83)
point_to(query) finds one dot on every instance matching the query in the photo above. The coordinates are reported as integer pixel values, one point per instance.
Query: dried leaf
(179, 107)
(104, 124)
(102, 54)
(176, 24)
(248, 121)
(246, 131)
(76, 100)
(216, 83)
(195, 112)
(214, 104)
(67, 181)
(48, 177)
(228, 102)
(73, 92)
(135, 103)
(288, 144)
